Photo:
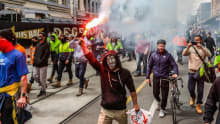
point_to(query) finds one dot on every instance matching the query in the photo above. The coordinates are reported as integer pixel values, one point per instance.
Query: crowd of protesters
(104, 51)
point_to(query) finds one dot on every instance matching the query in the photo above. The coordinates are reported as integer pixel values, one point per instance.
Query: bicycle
(175, 94)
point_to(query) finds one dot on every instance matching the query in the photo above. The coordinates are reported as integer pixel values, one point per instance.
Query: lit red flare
(102, 19)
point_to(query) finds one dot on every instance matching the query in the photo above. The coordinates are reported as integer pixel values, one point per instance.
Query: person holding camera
(194, 65)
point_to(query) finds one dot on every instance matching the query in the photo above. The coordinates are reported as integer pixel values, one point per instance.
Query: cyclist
(159, 63)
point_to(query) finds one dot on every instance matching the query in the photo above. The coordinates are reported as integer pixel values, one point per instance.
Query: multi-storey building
(215, 7)
(50, 11)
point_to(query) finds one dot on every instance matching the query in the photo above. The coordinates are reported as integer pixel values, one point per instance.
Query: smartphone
(194, 43)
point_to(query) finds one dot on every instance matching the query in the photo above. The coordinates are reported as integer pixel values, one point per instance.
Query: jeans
(140, 57)
(80, 69)
(40, 75)
(200, 88)
(62, 65)
(163, 86)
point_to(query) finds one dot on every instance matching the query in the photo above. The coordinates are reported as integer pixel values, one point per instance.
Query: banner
(25, 31)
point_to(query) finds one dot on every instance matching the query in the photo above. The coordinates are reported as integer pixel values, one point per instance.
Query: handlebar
(171, 79)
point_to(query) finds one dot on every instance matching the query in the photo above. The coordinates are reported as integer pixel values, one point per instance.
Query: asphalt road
(187, 114)
(60, 105)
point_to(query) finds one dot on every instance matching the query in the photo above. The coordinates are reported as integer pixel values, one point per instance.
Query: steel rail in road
(66, 87)
(76, 113)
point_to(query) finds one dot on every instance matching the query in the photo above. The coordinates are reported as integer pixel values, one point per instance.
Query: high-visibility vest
(64, 48)
(31, 53)
(180, 41)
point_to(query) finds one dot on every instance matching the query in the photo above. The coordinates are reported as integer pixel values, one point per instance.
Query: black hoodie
(112, 83)
(42, 54)
(213, 98)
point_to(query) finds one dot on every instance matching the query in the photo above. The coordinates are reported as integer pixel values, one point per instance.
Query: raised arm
(92, 60)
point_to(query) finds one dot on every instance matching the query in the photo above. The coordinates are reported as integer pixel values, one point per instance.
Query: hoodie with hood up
(112, 83)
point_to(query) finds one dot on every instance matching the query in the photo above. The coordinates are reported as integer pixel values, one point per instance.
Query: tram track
(64, 88)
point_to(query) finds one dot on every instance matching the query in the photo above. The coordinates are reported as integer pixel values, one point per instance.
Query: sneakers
(42, 93)
(162, 113)
(192, 102)
(198, 109)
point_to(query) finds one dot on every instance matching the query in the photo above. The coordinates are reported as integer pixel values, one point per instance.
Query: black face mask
(34, 43)
(63, 40)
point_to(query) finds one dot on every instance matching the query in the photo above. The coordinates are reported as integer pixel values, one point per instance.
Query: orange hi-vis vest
(180, 41)
(31, 53)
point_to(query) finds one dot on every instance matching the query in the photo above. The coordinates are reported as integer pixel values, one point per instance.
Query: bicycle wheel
(173, 109)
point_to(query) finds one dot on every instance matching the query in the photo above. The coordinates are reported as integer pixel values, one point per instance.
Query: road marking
(153, 106)
(140, 87)
(137, 91)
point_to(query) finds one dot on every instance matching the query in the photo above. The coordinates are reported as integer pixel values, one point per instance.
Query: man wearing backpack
(194, 65)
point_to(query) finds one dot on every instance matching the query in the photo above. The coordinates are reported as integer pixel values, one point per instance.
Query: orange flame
(95, 22)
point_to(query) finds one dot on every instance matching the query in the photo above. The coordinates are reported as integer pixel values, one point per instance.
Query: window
(64, 2)
(40, 16)
(54, 1)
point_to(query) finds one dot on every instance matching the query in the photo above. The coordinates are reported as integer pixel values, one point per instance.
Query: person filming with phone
(196, 53)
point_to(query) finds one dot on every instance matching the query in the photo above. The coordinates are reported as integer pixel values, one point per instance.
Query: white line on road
(153, 108)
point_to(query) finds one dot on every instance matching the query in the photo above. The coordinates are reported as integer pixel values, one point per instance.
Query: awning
(60, 15)
(7, 12)
(211, 19)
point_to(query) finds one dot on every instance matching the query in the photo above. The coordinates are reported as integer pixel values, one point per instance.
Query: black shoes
(42, 93)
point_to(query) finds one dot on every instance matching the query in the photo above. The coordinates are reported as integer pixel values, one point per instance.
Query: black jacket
(210, 43)
(112, 83)
(41, 55)
(213, 98)
(160, 64)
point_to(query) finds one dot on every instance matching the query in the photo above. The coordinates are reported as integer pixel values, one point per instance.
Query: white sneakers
(162, 113)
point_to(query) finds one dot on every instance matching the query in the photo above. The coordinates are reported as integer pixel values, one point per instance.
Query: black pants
(62, 65)
(6, 111)
(32, 76)
(179, 54)
(54, 57)
(163, 86)
(212, 52)
(218, 119)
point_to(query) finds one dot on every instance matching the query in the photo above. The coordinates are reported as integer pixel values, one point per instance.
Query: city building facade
(49, 11)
